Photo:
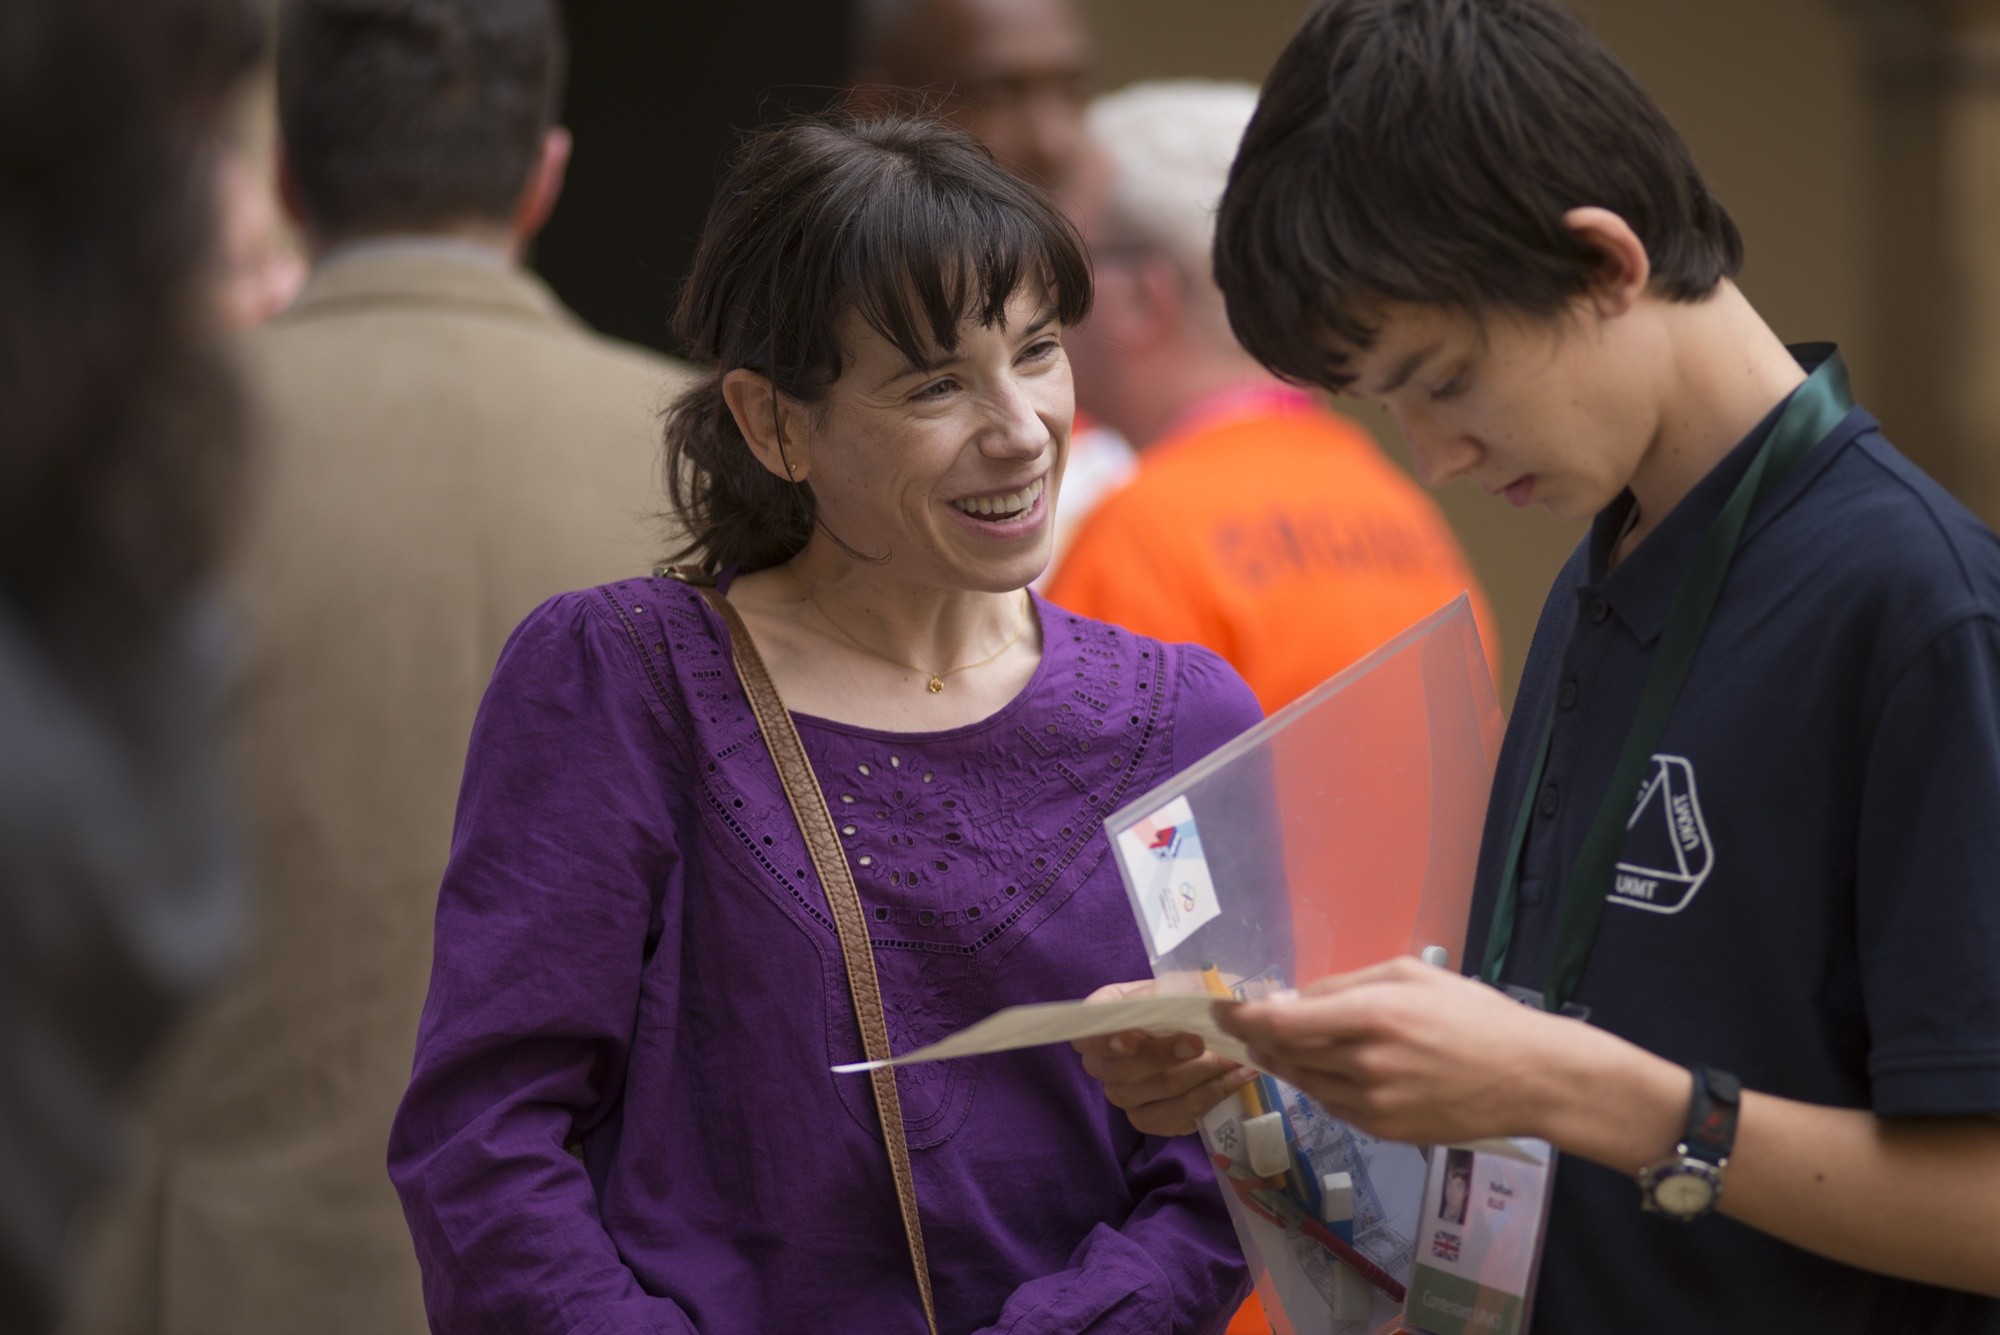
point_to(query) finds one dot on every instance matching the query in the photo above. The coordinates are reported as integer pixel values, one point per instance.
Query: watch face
(1685, 1190)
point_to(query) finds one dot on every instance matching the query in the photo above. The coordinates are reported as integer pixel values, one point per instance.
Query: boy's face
(1545, 412)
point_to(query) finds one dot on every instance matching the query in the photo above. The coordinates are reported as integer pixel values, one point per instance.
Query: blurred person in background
(449, 446)
(260, 271)
(1260, 524)
(121, 443)
(1017, 75)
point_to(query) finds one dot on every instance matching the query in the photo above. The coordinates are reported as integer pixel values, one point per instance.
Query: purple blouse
(635, 961)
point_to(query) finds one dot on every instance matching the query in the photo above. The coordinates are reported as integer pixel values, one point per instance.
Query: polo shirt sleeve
(1928, 872)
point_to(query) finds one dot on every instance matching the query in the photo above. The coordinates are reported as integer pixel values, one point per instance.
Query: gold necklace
(934, 682)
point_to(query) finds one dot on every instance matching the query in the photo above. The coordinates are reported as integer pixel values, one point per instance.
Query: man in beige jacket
(447, 447)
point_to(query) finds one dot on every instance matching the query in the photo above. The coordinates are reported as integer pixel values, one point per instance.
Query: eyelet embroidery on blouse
(710, 711)
(942, 844)
(948, 842)
(926, 837)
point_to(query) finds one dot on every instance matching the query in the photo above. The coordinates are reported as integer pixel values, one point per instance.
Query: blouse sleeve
(1174, 1265)
(1216, 706)
(559, 861)
(1173, 1268)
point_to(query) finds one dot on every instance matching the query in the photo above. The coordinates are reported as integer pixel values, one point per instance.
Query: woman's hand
(1414, 1053)
(1163, 1084)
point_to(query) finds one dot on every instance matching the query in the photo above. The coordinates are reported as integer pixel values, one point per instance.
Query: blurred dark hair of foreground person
(120, 449)
(443, 447)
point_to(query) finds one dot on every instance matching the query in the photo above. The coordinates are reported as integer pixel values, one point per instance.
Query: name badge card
(1483, 1226)
(1480, 1241)
(1484, 1220)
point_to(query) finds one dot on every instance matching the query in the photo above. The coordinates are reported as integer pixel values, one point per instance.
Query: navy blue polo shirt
(1808, 894)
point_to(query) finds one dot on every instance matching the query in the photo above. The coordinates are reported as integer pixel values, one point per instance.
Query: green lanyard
(1811, 415)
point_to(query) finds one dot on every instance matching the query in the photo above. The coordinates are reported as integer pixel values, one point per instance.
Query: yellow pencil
(1211, 979)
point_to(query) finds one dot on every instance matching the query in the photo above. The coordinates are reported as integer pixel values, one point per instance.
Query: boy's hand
(1413, 1053)
(1163, 1084)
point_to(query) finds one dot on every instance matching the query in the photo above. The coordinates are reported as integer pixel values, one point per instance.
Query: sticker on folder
(1162, 855)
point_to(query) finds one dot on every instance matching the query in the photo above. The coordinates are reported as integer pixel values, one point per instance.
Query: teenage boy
(1747, 816)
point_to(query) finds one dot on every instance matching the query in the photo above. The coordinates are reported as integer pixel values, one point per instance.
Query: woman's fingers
(1180, 1114)
(1143, 987)
(1141, 1068)
(1162, 1084)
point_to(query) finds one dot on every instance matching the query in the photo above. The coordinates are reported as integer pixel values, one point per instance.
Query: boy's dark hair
(1425, 151)
(409, 115)
(907, 222)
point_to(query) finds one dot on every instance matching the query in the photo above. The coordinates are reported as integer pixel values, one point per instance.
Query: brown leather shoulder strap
(816, 824)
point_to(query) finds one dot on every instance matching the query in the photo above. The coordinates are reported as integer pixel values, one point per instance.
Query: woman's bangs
(920, 264)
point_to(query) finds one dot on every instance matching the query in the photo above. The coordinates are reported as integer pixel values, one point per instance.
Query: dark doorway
(660, 93)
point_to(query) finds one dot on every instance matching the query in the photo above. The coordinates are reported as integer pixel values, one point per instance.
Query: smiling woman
(635, 955)
(850, 238)
(881, 443)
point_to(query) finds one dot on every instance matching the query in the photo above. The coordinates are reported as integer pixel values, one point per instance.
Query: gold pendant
(936, 685)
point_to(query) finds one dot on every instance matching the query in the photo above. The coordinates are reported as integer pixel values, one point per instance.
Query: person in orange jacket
(1259, 523)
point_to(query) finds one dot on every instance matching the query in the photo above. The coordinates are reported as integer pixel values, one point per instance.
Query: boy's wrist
(1607, 1100)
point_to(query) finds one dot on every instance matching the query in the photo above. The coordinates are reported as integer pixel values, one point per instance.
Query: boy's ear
(1624, 269)
(769, 422)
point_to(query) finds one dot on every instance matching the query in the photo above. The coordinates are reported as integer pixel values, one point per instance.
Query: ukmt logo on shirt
(1667, 851)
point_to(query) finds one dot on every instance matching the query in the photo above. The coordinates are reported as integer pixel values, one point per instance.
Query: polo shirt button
(1547, 805)
(1566, 697)
(1598, 609)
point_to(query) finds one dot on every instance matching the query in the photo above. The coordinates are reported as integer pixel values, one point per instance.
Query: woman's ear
(1624, 269)
(769, 422)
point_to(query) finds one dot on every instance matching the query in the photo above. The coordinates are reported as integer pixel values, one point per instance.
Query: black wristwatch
(1687, 1185)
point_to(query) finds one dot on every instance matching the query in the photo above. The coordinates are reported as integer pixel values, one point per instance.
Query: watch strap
(1712, 1112)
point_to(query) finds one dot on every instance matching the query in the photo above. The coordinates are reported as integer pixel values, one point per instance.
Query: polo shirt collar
(1640, 591)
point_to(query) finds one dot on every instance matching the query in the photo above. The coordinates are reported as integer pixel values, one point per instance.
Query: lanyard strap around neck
(1813, 412)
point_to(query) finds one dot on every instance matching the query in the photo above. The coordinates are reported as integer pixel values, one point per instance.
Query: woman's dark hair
(120, 431)
(407, 115)
(1425, 151)
(904, 220)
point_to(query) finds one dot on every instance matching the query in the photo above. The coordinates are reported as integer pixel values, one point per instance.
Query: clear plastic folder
(1340, 832)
